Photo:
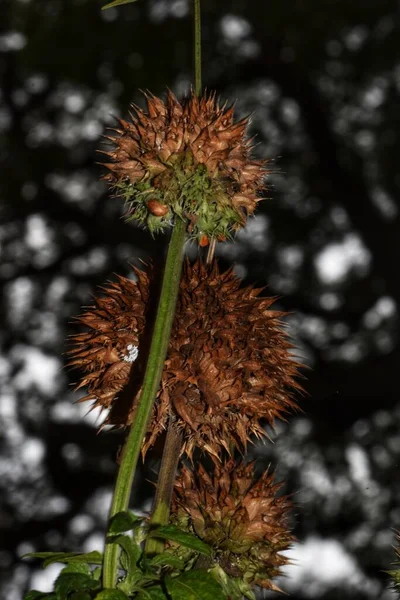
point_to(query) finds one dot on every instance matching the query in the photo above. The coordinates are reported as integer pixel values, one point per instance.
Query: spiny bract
(228, 371)
(242, 518)
(188, 160)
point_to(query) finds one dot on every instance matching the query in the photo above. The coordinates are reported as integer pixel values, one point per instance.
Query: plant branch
(151, 382)
(197, 47)
(165, 484)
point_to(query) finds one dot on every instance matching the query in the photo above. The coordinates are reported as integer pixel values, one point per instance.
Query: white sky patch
(359, 464)
(319, 564)
(43, 580)
(315, 476)
(20, 296)
(94, 542)
(255, 233)
(38, 235)
(74, 101)
(384, 308)
(384, 203)
(32, 452)
(335, 261)
(69, 411)
(234, 28)
(38, 369)
(12, 41)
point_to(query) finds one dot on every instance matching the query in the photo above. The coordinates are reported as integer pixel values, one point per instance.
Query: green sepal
(183, 538)
(122, 522)
(117, 3)
(197, 584)
(94, 558)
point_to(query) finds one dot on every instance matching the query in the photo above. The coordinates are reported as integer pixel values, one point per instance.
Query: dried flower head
(228, 368)
(187, 159)
(105, 352)
(240, 517)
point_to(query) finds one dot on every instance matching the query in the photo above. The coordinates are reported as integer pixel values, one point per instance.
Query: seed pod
(156, 208)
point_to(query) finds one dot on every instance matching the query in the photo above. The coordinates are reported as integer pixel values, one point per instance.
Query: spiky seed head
(193, 160)
(228, 370)
(241, 517)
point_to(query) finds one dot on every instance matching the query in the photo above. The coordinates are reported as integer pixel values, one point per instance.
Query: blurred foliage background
(322, 81)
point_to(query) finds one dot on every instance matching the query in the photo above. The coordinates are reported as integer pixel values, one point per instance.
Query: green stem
(155, 363)
(197, 48)
(173, 442)
(165, 484)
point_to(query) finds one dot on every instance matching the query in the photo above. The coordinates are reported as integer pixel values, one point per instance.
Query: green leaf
(166, 560)
(131, 551)
(117, 3)
(111, 595)
(49, 558)
(67, 583)
(77, 567)
(194, 585)
(36, 595)
(170, 532)
(80, 596)
(154, 592)
(121, 522)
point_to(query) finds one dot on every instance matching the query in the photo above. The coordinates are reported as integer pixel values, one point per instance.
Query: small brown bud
(203, 241)
(156, 208)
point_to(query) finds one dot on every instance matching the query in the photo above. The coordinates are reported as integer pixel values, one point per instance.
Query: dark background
(322, 81)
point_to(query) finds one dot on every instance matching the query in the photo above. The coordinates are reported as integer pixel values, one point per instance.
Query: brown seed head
(242, 518)
(191, 157)
(228, 370)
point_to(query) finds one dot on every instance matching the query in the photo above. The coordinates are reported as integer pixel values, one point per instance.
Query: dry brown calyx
(229, 368)
(241, 517)
(189, 160)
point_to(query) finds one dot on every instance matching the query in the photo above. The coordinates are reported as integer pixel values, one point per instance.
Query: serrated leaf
(117, 3)
(111, 595)
(95, 558)
(121, 522)
(166, 560)
(77, 567)
(170, 532)
(67, 583)
(194, 585)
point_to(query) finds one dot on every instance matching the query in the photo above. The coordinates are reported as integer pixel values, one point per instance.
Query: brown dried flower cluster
(243, 519)
(228, 368)
(187, 159)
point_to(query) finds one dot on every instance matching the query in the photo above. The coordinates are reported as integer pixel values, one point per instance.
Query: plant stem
(173, 442)
(165, 484)
(155, 363)
(197, 48)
